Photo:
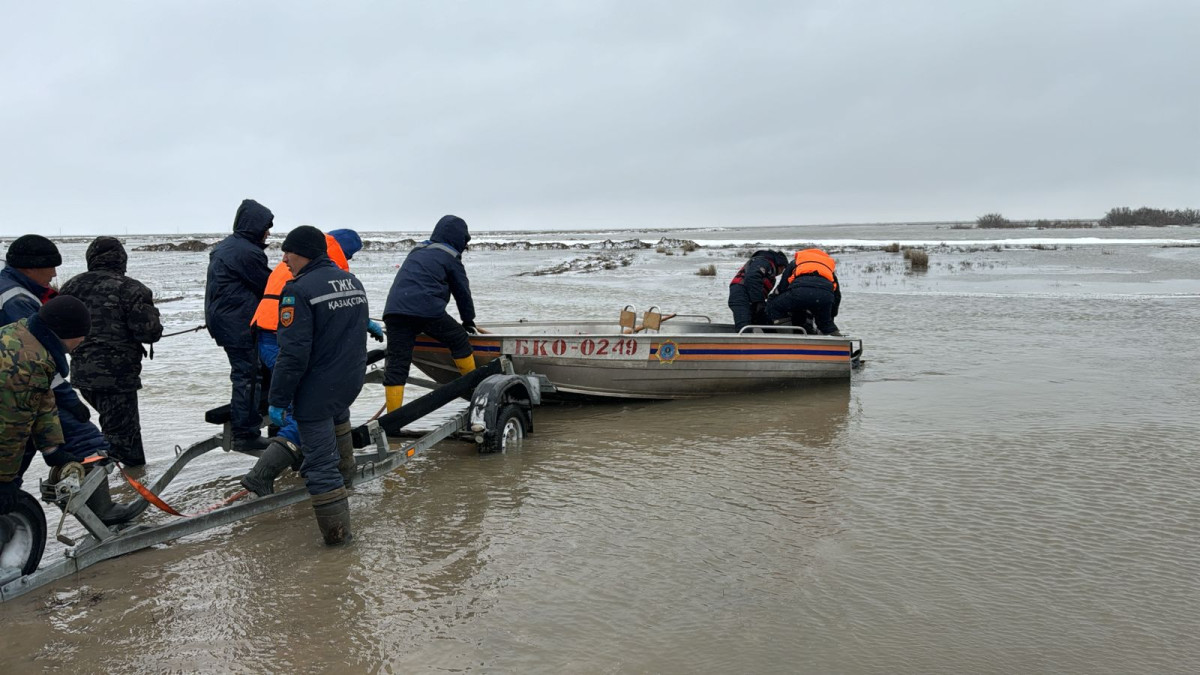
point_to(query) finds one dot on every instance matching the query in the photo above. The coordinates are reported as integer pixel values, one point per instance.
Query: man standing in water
(431, 273)
(320, 368)
(108, 365)
(237, 277)
(284, 451)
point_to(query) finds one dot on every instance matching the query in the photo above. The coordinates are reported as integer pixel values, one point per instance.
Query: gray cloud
(151, 116)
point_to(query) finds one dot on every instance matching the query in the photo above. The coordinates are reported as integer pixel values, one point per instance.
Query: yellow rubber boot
(465, 365)
(394, 395)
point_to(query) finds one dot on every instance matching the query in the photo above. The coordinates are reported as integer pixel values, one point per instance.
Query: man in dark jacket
(108, 365)
(237, 276)
(319, 371)
(33, 354)
(750, 286)
(431, 273)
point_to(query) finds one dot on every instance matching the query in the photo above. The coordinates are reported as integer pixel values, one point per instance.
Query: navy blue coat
(237, 277)
(21, 298)
(432, 272)
(322, 344)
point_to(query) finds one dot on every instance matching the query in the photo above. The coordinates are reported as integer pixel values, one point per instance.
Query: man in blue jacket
(431, 273)
(237, 277)
(319, 370)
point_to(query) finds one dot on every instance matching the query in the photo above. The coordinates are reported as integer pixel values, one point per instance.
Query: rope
(190, 330)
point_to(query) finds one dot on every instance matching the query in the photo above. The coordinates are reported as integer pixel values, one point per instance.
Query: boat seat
(628, 319)
(652, 319)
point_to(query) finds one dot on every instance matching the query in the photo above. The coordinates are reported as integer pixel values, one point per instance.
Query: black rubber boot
(345, 445)
(102, 505)
(251, 444)
(333, 516)
(278, 456)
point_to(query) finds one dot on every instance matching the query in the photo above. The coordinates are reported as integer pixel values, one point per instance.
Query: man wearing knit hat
(31, 262)
(237, 277)
(24, 285)
(284, 451)
(33, 353)
(319, 371)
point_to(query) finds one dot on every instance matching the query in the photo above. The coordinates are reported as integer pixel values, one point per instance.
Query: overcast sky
(160, 116)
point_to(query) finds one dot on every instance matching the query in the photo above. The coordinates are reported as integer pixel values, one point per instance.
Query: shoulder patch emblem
(286, 315)
(288, 300)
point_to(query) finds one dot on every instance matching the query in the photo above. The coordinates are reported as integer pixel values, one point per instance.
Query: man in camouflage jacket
(107, 367)
(32, 355)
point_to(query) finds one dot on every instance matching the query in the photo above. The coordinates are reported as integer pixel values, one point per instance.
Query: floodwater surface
(1008, 485)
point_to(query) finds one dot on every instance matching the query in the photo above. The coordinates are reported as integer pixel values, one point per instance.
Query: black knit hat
(306, 241)
(31, 252)
(67, 316)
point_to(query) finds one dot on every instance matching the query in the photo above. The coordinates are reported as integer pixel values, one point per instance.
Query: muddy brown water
(1008, 485)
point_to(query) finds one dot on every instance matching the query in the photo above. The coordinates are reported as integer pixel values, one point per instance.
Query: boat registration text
(579, 348)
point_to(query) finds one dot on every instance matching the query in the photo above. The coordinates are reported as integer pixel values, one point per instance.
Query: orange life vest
(266, 317)
(814, 260)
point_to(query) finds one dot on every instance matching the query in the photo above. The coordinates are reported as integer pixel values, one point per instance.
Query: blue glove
(278, 415)
(375, 330)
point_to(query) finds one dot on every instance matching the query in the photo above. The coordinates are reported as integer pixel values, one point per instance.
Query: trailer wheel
(22, 534)
(510, 429)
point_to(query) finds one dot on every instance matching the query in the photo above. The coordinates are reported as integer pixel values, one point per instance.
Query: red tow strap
(163, 506)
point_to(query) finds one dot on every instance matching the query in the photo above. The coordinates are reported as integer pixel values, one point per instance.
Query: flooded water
(1007, 486)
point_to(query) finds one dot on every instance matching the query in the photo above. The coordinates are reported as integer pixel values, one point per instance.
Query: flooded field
(1008, 485)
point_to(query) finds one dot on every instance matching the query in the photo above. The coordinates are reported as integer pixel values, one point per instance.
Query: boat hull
(692, 360)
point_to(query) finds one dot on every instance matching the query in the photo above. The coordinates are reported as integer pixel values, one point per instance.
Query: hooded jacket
(237, 275)
(432, 272)
(756, 278)
(123, 317)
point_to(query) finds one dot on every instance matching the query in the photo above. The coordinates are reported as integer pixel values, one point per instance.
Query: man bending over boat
(284, 451)
(809, 285)
(319, 371)
(750, 286)
(431, 273)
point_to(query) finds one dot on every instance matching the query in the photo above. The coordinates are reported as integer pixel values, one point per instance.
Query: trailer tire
(22, 534)
(511, 427)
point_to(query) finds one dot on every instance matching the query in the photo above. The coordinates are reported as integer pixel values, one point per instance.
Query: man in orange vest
(808, 285)
(284, 451)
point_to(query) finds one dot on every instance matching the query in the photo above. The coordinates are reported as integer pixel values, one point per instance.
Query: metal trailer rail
(494, 393)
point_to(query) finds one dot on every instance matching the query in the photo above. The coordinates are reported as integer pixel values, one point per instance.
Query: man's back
(125, 318)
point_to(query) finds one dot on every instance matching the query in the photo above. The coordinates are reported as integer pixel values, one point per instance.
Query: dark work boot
(279, 455)
(102, 505)
(333, 516)
(251, 444)
(345, 445)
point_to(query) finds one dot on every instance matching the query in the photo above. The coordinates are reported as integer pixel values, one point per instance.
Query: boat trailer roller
(499, 413)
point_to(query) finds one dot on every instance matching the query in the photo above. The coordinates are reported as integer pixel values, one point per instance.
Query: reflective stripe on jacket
(814, 260)
(266, 317)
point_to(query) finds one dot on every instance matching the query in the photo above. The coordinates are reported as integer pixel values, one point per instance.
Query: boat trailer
(499, 414)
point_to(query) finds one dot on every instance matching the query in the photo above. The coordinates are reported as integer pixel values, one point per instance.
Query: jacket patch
(286, 315)
(288, 300)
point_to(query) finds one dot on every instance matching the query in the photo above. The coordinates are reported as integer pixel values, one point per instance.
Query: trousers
(120, 423)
